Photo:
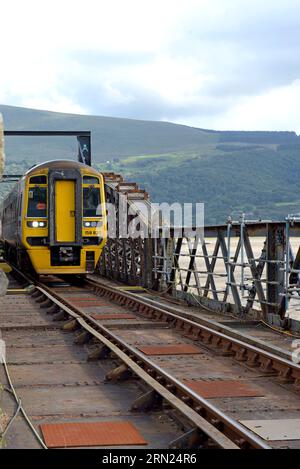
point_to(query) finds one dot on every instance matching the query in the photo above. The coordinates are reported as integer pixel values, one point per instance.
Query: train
(54, 220)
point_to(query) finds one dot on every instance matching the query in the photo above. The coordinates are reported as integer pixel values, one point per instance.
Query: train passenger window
(91, 202)
(90, 180)
(37, 202)
(38, 180)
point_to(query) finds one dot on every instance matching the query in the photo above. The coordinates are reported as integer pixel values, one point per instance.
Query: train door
(65, 211)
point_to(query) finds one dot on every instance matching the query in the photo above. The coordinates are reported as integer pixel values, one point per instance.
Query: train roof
(58, 164)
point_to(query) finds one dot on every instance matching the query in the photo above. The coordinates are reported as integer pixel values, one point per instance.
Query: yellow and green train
(55, 219)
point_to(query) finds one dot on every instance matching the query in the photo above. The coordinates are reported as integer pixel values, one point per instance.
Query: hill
(231, 172)
(111, 137)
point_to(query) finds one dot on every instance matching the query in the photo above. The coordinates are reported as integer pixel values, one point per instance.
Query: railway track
(57, 384)
(177, 362)
(256, 354)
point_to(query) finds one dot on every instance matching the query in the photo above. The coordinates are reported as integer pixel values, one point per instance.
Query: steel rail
(193, 416)
(232, 434)
(198, 319)
(268, 361)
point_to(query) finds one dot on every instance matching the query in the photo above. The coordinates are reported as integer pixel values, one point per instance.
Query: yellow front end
(41, 261)
(67, 256)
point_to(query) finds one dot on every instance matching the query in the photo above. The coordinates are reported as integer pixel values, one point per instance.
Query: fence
(247, 268)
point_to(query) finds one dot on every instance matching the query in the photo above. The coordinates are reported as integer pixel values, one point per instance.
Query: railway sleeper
(121, 373)
(180, 325)
(226, 348)
(97, 352)
(61, 315)
(82, 337)
(41, 298)
(148, 401)
(54, 309)
(206, 337)
(267, 366)
(284, 373)
(35, 293)
(240, 353)
(252, 359)
(193, 334)
(71, 325)
(46, 304)
(296, 385)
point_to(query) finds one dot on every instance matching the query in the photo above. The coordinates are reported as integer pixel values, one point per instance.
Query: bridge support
(234, 275)
(275, 272)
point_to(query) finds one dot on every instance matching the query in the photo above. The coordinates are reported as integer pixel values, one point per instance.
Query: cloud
(277, 107)
(204, 63)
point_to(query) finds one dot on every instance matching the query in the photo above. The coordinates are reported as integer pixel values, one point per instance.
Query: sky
(218, 64)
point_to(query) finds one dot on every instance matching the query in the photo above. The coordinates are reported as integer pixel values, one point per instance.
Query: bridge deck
(46, 355)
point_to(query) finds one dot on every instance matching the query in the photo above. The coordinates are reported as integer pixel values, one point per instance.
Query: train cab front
(65, 221)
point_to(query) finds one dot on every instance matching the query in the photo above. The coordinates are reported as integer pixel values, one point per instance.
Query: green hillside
(231, 172)
(111, 137)
(261, 181)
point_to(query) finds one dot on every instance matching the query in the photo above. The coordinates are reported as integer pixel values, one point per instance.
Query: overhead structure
(83, 139)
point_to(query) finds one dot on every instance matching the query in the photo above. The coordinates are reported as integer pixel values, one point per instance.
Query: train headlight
(37, 224)
(91, 224)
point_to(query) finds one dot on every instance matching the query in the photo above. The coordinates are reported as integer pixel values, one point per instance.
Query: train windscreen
(37, 202)
(91, 202)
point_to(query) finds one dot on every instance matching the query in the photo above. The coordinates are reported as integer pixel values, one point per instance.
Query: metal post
(234, 290)
(275, 270)
(155, 258)
(229, 223)
(287, 261)
(242, 284)
(148, 262)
